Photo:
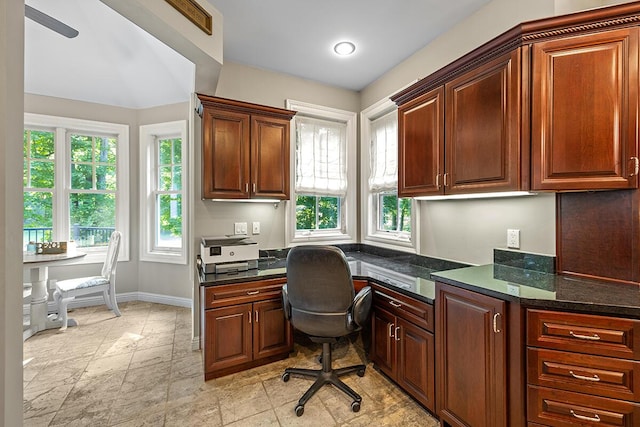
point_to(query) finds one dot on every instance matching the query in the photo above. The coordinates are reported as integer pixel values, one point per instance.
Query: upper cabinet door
(483, 122)
(269, 157)
(225, 154)
(584, 112)
(421, 145)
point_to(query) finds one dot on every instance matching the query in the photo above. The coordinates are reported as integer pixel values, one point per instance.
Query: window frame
(62, 127)
(370, 200)
(348, 208)
(148, 188)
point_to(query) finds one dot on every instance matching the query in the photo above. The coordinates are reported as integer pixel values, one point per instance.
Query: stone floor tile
(242, 401)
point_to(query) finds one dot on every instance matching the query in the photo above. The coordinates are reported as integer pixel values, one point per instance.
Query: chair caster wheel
(360, 373)
(300, 410)
(355, 406)
(285, 377)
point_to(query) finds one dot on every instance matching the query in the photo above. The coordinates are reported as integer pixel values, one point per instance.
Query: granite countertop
(395, 273)
(533, 289)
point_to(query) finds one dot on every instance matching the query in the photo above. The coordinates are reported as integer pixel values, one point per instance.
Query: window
(323, 204)
(387, 218)
(75, 182)
(163, 204)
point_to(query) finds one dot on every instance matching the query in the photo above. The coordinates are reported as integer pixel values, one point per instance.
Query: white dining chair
(67, 290)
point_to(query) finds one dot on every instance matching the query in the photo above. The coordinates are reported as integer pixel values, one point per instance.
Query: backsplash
(527, 261)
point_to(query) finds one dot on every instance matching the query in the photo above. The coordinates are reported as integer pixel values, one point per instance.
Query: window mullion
(62, 171)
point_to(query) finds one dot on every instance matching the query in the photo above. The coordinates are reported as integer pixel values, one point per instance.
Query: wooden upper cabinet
(584, 111)
(225, 154)
(421, 145)
(483, 116)
(245, 150)
(270, 157)
(465, 136)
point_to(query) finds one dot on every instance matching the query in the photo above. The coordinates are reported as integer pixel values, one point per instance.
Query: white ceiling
(114, 62)
(296, 37)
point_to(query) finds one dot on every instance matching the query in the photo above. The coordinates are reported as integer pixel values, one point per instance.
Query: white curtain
(321, 157)
(384, 153)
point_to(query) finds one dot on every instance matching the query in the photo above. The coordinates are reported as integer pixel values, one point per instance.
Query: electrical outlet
(513, 238)
(240, 228)
(256, 227)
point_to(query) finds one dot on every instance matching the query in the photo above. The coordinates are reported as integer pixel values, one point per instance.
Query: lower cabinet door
(271, 332)
(415, 362)
(383, 345)
(552, 407)
(228, 337)
(471, 335)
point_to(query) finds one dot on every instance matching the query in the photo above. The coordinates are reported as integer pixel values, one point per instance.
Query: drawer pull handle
(256, 316)
(390, 330)
(594, 378)
(395, 304)
(495, 323)
(595, 418)
(636, 166)
(594, 337)
(397, 333)
(253, 292)
(249, 317)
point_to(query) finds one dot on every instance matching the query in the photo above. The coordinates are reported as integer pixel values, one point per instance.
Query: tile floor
(139, 370)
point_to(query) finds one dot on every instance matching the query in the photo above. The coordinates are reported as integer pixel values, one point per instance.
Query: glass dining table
(38, 265)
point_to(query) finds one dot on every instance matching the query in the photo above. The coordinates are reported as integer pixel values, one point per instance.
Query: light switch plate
(240, 228)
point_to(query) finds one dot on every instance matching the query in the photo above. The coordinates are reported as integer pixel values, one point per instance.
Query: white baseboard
(122, 297)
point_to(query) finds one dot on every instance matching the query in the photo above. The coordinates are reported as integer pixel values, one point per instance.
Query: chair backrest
(320, 290)
(111, 261)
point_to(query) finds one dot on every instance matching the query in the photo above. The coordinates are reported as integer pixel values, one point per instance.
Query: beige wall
(11, 125)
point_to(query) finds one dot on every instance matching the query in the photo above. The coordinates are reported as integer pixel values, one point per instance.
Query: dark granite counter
(393, 272)
(414, 276)
(535, 289)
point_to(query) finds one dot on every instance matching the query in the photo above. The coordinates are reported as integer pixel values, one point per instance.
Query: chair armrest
(286, 305)
(362, 306)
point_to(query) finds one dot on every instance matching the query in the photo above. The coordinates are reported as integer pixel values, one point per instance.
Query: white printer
(227, 254)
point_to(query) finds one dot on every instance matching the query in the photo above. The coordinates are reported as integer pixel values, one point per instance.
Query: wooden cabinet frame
(245, 150)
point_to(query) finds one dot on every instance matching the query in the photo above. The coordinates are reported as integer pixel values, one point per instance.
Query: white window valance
(320, 157)
(384, 153)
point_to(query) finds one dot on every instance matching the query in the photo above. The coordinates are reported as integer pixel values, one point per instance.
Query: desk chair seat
(319, 300)
(67, 290)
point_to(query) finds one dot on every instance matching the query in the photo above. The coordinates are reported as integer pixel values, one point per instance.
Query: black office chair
(319, 301)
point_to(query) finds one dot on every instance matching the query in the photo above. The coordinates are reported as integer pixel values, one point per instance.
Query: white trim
(368, 212)
(148, 135)
(52, 307)
(349, 207)
(62, 126)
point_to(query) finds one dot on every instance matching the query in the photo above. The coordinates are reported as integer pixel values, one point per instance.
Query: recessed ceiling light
(344, 48)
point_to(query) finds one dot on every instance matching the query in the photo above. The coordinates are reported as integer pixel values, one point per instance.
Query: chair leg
(114, 303)
(107, 300)
(62, 311)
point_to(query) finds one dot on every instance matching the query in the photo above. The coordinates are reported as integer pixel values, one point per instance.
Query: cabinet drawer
(601, 376)
(564, 408)
(417, 312)
(584, 333)
(239, 293)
